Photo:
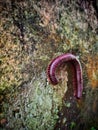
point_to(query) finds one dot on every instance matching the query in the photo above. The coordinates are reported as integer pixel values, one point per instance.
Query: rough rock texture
(32, 33)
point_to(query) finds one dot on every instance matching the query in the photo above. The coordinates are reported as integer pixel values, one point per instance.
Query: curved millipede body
(63, 59)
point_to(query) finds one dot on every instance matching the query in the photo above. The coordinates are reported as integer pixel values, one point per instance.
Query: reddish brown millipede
(78, 79)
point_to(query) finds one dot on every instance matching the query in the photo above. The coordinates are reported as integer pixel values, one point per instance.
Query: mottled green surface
(31, 34)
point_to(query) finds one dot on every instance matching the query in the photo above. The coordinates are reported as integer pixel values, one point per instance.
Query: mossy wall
(32, 33)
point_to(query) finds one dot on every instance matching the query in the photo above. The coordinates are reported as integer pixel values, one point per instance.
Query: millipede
(77, 69)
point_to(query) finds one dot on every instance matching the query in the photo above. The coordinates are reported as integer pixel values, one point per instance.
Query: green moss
(43, 109)
(36, 107)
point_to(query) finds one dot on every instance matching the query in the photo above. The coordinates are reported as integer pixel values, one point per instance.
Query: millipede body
(76, 66)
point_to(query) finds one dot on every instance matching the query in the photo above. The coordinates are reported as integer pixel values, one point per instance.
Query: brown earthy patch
(92, 71)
